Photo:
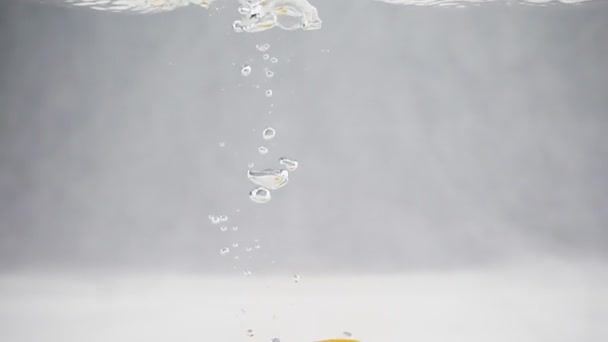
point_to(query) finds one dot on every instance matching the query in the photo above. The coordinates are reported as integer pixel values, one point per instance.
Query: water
(260, 195)
(500, 103)
(270, 179)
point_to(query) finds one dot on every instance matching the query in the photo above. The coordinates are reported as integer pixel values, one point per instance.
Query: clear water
(454, 186)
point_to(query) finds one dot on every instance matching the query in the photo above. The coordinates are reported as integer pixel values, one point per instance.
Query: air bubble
(235, 244)
(247, 273)
(260, 195)
(250, 165)
(235, 228)
(269, 73)
(223, 228)
(262, 47)
(266, 56)
(289, 164)
(269, 133)
(275, 340)
(246, 70)
(224, 251)
(296, 278)
(274, 60)
(224, 218)
(268, 93)
(222, 144)
(215, 219)
(269, 179)
(262, 150)
(248, 249)
(238, 26)
(347, 334)
(257, 246)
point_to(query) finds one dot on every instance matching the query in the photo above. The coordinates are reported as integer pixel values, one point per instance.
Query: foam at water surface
(260, 15)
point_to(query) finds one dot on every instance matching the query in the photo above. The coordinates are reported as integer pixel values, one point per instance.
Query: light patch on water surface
(462, 3)
(138, 6)
(528, 302)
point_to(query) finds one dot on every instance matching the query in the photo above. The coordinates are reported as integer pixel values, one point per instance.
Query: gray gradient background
(427, 138)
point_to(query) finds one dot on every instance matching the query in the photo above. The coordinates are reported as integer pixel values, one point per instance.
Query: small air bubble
(289, 164)
(235, 244)
(235, 228)
(296, 278)
(262, 150)
(262, 47)
(246, 70)
(224, 251)
(215, 219)
(274, 60)
(224, 218)
(266, 56)
(223, 228)
(269, 73)
(247, 273)
(268, 93)
(269, 133)
(260, 195)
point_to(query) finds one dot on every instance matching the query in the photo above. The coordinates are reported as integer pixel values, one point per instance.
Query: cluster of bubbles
(269, 180)
(217, 219)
